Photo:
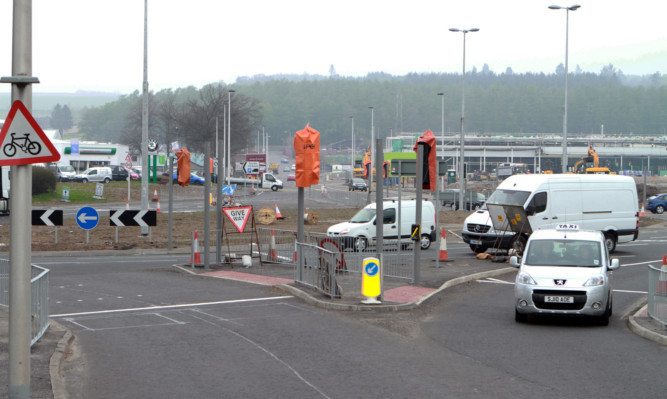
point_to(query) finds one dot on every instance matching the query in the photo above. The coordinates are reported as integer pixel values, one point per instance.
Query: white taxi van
(565, 271)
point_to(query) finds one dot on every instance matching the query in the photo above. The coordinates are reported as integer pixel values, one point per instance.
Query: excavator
(590, 164)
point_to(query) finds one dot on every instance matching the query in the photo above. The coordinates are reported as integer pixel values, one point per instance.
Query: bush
(43, 181)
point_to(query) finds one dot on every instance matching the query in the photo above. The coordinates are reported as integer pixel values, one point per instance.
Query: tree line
(504, 103)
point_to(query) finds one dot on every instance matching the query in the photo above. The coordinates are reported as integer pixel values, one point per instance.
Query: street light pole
(352, 154)
(370, 172)
(462, 178)
(567, 23)
(229, 128)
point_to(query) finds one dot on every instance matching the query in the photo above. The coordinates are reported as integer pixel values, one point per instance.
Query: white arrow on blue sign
(229, 190)
(87, 218)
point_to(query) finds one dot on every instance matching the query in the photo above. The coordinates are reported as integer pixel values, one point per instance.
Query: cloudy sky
(98, 44)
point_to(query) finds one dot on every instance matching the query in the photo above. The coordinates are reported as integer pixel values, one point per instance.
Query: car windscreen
(363, 216)
(66, 168)
(575, 253)
(508, 197)
(357, 181)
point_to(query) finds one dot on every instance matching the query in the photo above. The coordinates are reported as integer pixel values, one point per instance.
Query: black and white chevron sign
(51, 217)
(132, 218)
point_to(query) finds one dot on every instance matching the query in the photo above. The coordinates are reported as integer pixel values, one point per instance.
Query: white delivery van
(100, 174)
(360, 231)
(606, 203)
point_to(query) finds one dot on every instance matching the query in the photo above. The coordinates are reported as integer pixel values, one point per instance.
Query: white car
(564, 271)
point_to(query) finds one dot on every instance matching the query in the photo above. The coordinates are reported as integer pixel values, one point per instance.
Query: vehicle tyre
(518, 244)
(478, 249)
(604, 319)
(349, 189)
(84, 180)
(520, 317)
(106, 180)
(360, 244)
(610, 241)
(425, 242)
(659, 209)
(274, 188)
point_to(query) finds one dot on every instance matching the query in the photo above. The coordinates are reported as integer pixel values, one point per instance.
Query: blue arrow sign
(229, 190)
(87, 218)
(372, 269)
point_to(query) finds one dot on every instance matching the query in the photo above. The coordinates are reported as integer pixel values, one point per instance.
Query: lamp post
(462, 179)
(229, 128)
(352, 148)
(370, 172)
(567, 23)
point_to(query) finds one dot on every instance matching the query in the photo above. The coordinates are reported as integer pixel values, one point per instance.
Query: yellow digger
(590, 164)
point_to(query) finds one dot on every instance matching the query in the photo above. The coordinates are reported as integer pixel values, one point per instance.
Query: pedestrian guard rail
(39, 297)
(657, 294)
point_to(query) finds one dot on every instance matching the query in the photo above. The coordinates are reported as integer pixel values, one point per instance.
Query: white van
(63, 172)
(606, 203)
(360, 231)
(100, 174)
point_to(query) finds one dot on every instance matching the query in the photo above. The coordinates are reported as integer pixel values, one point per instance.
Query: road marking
(185, 305)
(642, 263)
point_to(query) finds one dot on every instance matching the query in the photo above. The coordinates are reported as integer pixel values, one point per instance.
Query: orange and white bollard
(155, 196)
(273, 255)
(662, 280)
(443, 247)
(642, 213)
(196, 256)
(158, 206)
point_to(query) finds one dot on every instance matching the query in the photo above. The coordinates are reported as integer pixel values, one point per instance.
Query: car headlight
(525, 278)
(594, 281)
(344, 231)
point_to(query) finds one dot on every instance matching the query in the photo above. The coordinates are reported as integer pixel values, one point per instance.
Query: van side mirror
(615, 264)
(530, 210)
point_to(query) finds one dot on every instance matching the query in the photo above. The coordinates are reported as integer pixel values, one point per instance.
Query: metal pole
(299, 232)
(218, 209)
(171, 202)
(207, 205)
(416, 259)
(144, 124)
(352, 154)
(370, 172)
(564, 144)
(229, 131)
(21, 204)
(379, 211)
(462, 176)
(400, 179)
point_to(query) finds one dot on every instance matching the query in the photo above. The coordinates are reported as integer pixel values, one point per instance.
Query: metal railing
(318, 269)
(39, 297)
(657, 294)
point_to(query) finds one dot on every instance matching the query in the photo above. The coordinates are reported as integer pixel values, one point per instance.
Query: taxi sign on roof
(567, 227)
(22, 141)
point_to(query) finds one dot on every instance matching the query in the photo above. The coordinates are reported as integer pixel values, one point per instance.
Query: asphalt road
(202, 337)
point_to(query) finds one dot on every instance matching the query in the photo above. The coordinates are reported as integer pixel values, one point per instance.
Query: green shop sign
(92, 151)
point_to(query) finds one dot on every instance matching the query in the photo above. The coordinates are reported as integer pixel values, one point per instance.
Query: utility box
(451, 176)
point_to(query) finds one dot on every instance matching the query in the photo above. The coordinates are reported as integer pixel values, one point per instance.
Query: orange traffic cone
(642, 213)
(443, 247)
(158, 206)
(155, 195)
(213, 199)
(127, 204)
(196, 256)
(295, 259)
(273, 255)
(662, 280)
(278, 214)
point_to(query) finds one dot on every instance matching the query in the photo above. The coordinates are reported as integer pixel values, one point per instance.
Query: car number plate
(559, 299)
(476, 242)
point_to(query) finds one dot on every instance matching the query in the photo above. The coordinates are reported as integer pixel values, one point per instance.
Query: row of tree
(504, 103)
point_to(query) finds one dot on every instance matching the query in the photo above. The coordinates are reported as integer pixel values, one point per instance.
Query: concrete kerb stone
(57, 359)
(643, 332)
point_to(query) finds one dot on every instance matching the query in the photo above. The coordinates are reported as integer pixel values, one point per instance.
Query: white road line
(171, 306)
(632, 292)
(659, 261)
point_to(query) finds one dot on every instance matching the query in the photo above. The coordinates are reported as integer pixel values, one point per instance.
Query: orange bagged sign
(429, 167)
(183, 167)
(307, 150)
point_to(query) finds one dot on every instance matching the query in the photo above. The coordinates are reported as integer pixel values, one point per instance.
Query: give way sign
(22, 141)
(238, 216)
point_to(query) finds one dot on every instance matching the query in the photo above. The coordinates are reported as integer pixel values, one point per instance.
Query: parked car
(357, 184)
(657, 204)
(119, 173)
(291, 177)
(564, 271)
(99, 174)
(284, 160)
(194, 179)
(286, 169)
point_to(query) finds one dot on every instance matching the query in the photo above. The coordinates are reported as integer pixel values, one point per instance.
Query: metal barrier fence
(318, 269)
(657, 294)
(39, 297)
(398, 258)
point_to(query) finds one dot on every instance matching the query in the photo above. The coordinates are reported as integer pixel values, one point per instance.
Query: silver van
(99, 174)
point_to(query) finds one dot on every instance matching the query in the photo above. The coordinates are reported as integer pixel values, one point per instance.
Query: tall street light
(442, 131)
(370, 172)
(462, 178)
(352, 154)
(567, 23)
(229, 129)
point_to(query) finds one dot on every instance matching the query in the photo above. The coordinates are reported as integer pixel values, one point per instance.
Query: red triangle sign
(22, 141)
(238, 215)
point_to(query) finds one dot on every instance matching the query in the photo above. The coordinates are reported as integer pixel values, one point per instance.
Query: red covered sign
(307, 149)
(429, 166)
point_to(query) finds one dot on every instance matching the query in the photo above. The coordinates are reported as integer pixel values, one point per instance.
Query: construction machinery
(590, 164)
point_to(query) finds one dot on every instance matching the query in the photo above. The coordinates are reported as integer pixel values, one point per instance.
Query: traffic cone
(295, 259)
(642, 213)
(662, 280)
(214, 199)
(278, 214)
(127, 205)
(155, 195)
(158, 206)
(273, 255)
(443, 247)
(196, 259)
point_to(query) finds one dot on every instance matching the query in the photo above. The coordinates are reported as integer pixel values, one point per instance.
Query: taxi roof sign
(26, 142)
(567, 227)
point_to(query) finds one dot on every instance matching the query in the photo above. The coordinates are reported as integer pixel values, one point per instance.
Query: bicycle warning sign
(22, 141)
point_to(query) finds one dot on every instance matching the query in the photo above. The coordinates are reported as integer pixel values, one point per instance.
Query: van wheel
(274, 188)
(518, 244)
(84, 180)
(478, 249)
(106, 180)
(360, 244)
(610, 242)
(425, 242)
